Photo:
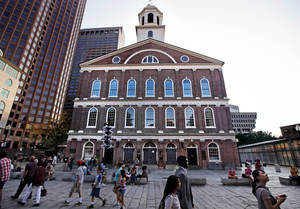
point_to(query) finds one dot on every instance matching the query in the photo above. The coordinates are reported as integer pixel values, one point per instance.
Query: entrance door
(171, 154)
(149, 153)
(192, 156)
(128, 155)
(108, 156)
(88, 151)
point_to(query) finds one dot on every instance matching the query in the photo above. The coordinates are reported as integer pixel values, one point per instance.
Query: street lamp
(3, 144)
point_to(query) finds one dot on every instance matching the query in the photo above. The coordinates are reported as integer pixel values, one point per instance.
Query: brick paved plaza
(212, 195)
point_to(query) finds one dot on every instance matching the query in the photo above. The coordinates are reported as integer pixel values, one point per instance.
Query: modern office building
(9, 83)
(92, 43)
(39, 36)
(161, 100)
(242, 122)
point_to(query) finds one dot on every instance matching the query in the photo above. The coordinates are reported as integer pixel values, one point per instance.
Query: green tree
(254, 137)
(57, 134)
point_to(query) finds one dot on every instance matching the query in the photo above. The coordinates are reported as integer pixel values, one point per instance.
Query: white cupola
(150, 24)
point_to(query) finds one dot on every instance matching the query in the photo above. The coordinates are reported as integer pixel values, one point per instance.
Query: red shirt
(5, 164)
(231, 173)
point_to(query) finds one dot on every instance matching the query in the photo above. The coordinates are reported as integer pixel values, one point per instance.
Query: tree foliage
(254, 137)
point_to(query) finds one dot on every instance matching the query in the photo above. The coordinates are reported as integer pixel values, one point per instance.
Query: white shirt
(172, 202)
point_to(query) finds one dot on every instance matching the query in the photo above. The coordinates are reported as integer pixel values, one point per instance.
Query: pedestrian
(185, 192)
(170, 199)
(49, 170)
(117, 179)
(54, 161)
(37, 184)
(96, 186)
(122, 188)
(5, 164)
(77, 186)
(133, 175)
(262, 193)
(27, 177)
(65, 159)
(70, 162)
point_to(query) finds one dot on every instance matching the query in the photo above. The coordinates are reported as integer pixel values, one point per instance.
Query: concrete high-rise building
(242, 122)
(38, 36)
(92, 43)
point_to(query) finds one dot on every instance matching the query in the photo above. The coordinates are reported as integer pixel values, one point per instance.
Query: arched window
(150, 34)
(2, 106)
(170, 118)
(113, 88)
(128, 145)
(187, 88)
(209, 118)
(149, 145)
(150, 59)
(189, 118)
(131, 88)
(150, 18)
(111, 116)
(205, 89)
(213, 152)
(169, 91)
(150, 88)
(171, 146)
(88, 151)
(157, 20)
(143, 20)
(150, 118)
(130, 118)
(92, 118)
(96, 88)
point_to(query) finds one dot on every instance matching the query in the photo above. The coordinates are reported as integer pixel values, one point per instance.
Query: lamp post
(3, 144)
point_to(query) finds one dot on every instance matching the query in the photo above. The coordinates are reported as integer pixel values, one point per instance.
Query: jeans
(37, 193)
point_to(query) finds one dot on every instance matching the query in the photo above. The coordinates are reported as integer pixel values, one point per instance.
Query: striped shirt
(5, 164)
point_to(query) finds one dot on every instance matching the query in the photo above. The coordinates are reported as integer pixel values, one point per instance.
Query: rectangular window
(4, 93)
(2, 65)
(12, 72)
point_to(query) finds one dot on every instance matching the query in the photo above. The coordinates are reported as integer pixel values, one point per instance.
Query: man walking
(27, 177)
(5, 164)
(185, 193)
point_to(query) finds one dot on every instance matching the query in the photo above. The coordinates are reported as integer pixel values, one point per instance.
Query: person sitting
(294, 174)
(231, 174)
(144, 174)
(49, 170)
(248, 172)
(133, 175)
(257, 165)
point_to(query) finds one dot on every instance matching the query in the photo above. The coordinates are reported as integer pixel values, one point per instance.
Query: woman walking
(122, 188)
(170, 199)
(262, 193)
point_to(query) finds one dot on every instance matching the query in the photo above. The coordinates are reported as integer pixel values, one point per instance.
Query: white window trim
(87, 122)
(208, 86)
(193, 118)
(110, 88)
(148, 58)
(184, 61)
(183, 88)
(146, 117)
(128, 88)
(83, 149)
(218, 153)
(166, 89)
(146, 87)
(133, 117)
(115, 116)
(93, 88)
(166, 118)
(147, 50)
(112, 60)
(213, 114)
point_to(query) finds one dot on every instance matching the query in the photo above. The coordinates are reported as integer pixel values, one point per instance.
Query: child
(170, 199)
(122, 188)
(96, 189)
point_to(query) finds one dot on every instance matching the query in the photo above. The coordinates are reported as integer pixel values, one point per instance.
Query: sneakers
(116, 205)
(36, 205)
(13, 197)
(91, 206)
(79, 203)
(103, 202)
(66, 202)
(21, 203)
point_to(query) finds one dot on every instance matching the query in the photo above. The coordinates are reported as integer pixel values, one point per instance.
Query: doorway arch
(171, 154)
(88, 150)
(192, 153)
(128, 153)
(150, 153)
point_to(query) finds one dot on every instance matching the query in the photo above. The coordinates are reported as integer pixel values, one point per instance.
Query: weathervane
(150, 1)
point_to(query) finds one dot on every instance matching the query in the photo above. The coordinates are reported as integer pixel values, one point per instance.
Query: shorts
(95, 192)
(122, 191)
(2, 184)
(77, 187)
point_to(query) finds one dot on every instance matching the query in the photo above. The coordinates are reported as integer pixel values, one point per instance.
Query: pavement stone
(213, 195)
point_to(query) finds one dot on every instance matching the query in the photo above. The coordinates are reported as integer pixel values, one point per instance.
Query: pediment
(166, 54)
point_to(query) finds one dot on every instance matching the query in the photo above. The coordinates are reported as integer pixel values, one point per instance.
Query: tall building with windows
(38, 36)
(92, 43)
(161, 100)
(242, 122)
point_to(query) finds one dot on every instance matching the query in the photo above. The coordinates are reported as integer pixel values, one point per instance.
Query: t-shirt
(294, 171)
(262, 193)
(98, 179)
(172, 202)
(80, 173)
(117, 174)
(30, 168)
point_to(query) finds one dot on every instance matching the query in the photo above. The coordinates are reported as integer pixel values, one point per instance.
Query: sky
(259, 41)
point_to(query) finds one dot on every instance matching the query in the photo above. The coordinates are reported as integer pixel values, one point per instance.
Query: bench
(197, 181)
(288, 181)
(70, 177)
(236, 182)
(142, 179)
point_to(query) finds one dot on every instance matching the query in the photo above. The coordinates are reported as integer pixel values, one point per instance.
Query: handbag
(43, 191)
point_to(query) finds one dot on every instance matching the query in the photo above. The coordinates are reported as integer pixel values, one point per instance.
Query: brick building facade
(162, 101)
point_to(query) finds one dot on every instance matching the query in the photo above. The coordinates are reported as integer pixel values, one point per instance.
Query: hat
(79, 162)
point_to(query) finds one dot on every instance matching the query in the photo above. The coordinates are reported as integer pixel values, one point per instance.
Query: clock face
(116, 59)
(184, 58)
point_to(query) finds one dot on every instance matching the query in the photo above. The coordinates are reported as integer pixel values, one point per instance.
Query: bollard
(277, 168)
